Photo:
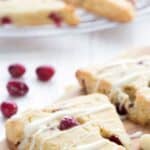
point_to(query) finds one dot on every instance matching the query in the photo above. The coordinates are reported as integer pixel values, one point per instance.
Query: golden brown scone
(116, 10)
(36, 12)
(126, 83)
(86, 122)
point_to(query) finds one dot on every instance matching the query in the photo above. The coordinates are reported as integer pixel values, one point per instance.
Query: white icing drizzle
(70, 103)
(34, 136)
(103, 75)
(136, 135)
(89, 122)
(98, 144)
(62, 132)
(110, 65)
(32, 127)
(36, 125)
(101, 108)
(122, 62)
(29, 129)
(129, 78)
(85, 124)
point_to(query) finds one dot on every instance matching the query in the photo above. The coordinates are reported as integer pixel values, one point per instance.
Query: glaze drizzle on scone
(93, 123)
(125, 82)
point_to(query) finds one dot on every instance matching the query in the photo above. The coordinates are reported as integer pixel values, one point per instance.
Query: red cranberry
(56, 18)
(6, 20)
(8, 108)
(68, 122)
(115, 139)
(45, 73)
(16, 70)
(17, 88)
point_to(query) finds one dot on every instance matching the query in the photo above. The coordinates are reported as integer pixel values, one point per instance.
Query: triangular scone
(96, 126)
(116, 10)
(36, 12)
(126, 83)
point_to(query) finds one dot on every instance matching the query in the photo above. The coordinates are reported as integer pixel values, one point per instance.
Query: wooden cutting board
(72, 91)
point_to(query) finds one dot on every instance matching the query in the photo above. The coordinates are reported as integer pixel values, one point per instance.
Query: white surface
(66, 53)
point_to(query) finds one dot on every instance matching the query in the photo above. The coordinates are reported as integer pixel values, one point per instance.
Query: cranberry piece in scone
(115, 139)
(5, 20)
(121, 109)
(8, 108)
(68, 122)
(56, 18)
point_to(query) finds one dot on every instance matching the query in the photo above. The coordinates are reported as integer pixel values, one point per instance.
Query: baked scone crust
(116, 10)
(125, 82)
(96, 126)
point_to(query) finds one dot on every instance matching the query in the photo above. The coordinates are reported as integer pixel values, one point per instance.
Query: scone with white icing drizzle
(126, 83)
(116, 10)
(36, 12)
(82, 123)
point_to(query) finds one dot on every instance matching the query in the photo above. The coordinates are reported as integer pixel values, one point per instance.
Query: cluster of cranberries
(19, 88)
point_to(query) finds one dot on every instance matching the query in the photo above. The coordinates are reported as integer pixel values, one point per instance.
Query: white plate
(88, 23)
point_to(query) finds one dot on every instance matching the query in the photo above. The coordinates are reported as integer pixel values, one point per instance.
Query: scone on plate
(82, 123)
(126, 83)
(116, 10)
(36, 12)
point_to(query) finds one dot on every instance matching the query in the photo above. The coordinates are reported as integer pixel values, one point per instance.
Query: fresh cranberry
(17, 88)
(67, 122)
(45, 73)
(8, 108)
(16, 70)
(121, 109)
(56, 18)
(6, 20)
(115, 139)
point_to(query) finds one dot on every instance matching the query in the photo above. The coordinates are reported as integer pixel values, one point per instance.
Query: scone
(126, 83)
(145, 142)
(116, 10)
(36, 12)
(82, 123)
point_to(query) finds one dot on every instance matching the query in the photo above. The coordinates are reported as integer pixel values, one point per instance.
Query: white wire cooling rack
(88, 23)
